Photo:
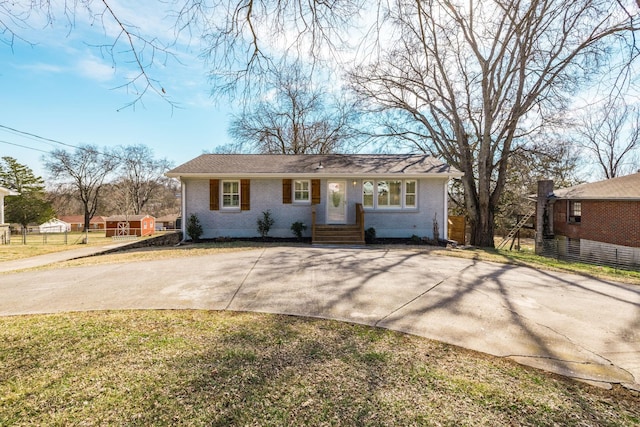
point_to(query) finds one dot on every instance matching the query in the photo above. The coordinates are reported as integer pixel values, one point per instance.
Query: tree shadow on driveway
(572, 325)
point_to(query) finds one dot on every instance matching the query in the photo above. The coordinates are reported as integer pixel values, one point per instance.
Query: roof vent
(320, 165)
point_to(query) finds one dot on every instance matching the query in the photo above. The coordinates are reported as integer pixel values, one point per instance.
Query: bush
(297, 228)
(264, 223)
(194, 228)
(370, 235)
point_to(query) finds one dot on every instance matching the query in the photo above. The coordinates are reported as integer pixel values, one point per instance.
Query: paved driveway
(569, 324)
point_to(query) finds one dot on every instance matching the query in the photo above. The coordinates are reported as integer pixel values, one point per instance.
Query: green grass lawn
(528, 258)
(40, 244)
(225, 368)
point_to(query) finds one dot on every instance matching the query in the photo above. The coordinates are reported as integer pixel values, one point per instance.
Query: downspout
(445, 214)
(183, 208)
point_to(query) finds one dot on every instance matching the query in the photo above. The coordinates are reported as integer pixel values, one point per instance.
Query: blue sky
(58, 85)
(61, 87)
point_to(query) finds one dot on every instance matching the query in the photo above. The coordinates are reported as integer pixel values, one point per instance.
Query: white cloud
(41, 67)
(95, 69)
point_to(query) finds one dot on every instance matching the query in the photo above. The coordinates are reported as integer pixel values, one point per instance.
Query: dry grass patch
(167, 252)
(223, 368)
(40, 244)
(528, 258)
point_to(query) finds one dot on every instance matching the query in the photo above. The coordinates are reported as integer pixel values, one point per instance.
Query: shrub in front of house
(370, 235)
(194, 228)
(297, 228)
(265, 222)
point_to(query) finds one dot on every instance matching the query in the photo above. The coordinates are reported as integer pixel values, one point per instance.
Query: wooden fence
(457, 229)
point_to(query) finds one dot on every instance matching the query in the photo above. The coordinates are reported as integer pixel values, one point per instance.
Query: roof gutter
(447, 175)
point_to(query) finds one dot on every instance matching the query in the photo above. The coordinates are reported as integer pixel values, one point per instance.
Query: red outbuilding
(130, 225)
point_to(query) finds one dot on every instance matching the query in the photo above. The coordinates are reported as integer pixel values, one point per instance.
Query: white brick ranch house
(398, 195)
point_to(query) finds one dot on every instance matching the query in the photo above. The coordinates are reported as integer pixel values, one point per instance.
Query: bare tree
(245, 38)
(472, 79)
(141, 176)
(294, 119)
(85, 170)
(610, 135)
(64, 200)
(130, 45)
(547, 156)
(469, 78)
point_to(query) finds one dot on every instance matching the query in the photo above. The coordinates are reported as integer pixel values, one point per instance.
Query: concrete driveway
(576, 326)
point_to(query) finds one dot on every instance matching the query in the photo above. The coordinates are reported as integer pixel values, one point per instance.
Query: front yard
(225, 368)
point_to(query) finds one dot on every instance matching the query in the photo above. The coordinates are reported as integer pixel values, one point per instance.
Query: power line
(23, 146)
(34, 136)
(38, 137)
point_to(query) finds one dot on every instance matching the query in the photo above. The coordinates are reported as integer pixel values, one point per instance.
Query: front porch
(339, 234)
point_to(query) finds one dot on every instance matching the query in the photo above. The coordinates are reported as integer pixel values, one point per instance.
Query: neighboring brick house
(130, 225)
(599, 220)
(166, 222)
(97, 222)
(333, 195)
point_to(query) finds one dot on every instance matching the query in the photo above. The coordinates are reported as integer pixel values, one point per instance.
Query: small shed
(54, 226)
(130, 225)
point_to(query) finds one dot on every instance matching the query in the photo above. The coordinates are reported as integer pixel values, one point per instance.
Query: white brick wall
(405, 223)
(267, 194)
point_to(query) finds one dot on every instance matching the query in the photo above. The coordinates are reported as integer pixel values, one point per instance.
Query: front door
(336, 202)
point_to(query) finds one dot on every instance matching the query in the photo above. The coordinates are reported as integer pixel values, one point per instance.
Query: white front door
(336, 202)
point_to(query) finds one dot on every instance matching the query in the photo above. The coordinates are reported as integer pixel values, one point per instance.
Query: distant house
(5, 231)
(130, 225)
(594, 221)
(97, 222)
(166, 222)
(337, 197)
(54, 225)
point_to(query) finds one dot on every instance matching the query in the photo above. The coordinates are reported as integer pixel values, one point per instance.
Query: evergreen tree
(30, 205)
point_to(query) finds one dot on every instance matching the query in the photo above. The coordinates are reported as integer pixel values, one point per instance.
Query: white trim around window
(390, 194)
(301, 191)
(230, 195)
(574, 212)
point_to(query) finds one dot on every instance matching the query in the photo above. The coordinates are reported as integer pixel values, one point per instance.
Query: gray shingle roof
(620, 188)
(332, 165)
